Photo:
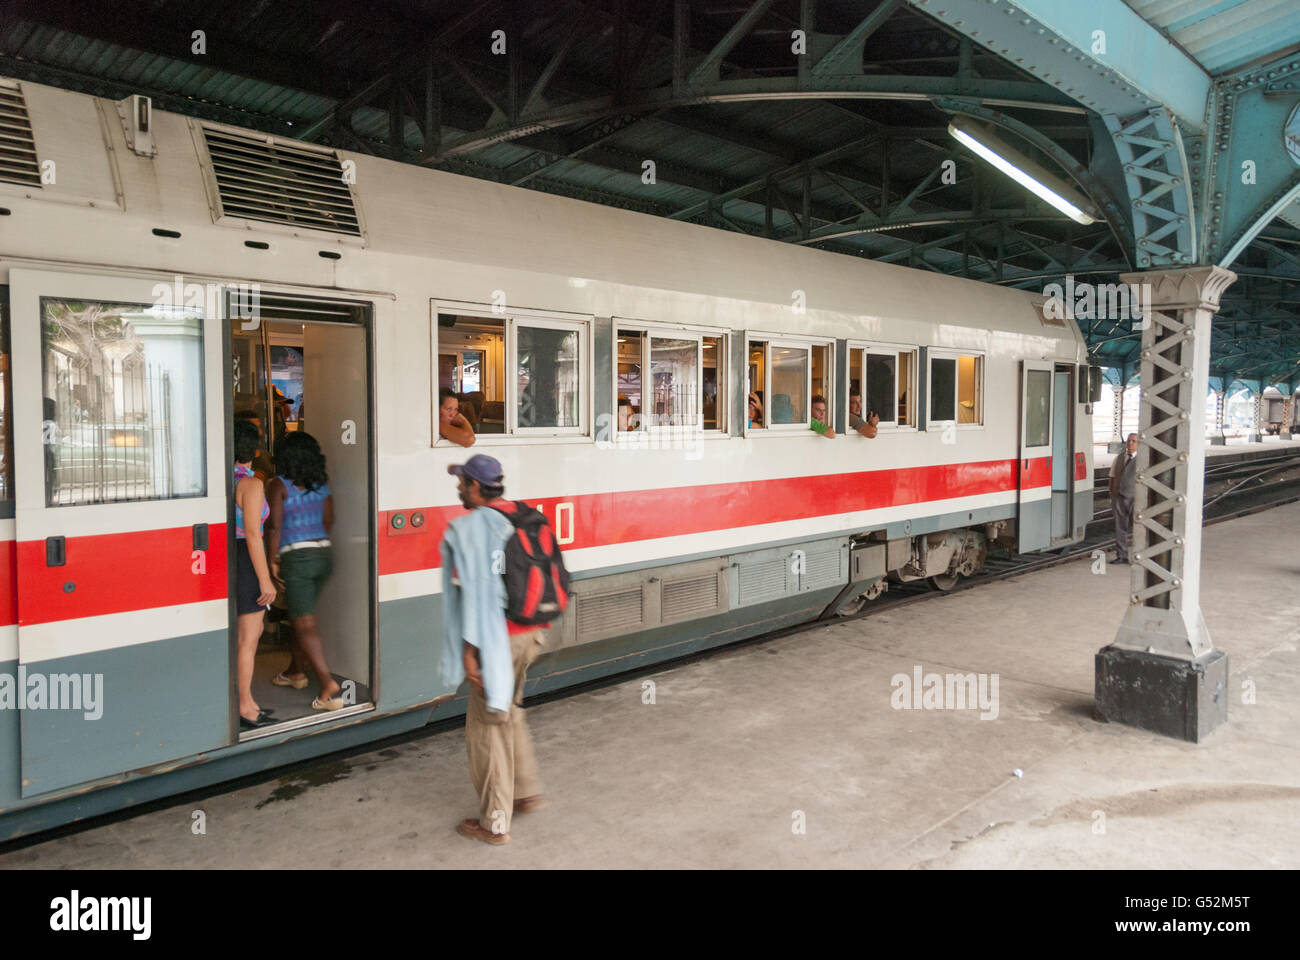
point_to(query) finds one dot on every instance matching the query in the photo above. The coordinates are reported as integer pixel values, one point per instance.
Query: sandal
(263, 720)
(282, 680)
(333, 703)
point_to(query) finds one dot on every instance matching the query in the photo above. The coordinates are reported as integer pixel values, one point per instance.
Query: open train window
(882, 380)
(669, 379)
(956, 388)
(521, 373)
(785, 376)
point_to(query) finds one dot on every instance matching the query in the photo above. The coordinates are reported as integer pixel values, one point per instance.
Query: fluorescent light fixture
(981, 141)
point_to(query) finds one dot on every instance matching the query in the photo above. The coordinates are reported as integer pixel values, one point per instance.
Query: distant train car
(177, 274)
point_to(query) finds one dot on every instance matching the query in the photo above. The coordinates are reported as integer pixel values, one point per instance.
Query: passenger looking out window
(867, 427)
(756, 410)
(819, 419)
(452, 424)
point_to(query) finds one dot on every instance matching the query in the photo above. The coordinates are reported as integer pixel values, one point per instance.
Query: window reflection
(123, 402)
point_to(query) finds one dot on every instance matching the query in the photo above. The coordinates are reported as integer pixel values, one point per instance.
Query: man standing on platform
(1123, 488)
(491, 652)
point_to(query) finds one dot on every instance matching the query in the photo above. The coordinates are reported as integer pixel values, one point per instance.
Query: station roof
(587, 92)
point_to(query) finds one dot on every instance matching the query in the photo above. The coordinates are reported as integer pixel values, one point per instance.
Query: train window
(631, 360)
(956, 388)
(521, 373)
(881, 381)
(789, 385)
(1038, 406)
(785, 376)
(674, 376)
(821, 376)
(123, 402)
(756, 385)
(6, 405)
(548, 377)
(472, 364)
(670, 380)
(712, 378)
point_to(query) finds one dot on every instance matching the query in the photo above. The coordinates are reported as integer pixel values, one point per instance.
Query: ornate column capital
(1184, 288)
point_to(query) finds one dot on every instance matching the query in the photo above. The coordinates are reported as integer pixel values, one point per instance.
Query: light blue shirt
(474, 610)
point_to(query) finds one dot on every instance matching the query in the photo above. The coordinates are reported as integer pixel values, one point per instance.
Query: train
(161, 275)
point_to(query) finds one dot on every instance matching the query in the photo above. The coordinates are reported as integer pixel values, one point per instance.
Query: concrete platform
(715, 771)
(1235, 447)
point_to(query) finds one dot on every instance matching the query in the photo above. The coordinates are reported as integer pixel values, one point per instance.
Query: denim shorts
(304, 573)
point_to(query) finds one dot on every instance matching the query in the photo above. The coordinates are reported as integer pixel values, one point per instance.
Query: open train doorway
(301, 374)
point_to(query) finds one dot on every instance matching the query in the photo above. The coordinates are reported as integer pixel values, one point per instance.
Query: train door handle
(199, 536)
(56, 552)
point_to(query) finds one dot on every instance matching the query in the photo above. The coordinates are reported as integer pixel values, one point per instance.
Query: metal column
(1161, 672)
(1117, 428)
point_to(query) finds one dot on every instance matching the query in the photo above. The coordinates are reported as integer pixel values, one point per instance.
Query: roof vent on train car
(261, 178)
(18, 163)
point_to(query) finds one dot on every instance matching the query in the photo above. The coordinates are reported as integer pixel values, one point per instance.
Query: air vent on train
(18, 162)
(259, 178)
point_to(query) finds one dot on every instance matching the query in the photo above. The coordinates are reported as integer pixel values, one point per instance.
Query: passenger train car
(160, 276)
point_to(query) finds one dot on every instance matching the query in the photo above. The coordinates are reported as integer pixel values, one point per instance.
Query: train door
(120, 515)
(304, 368)
(1062, 458)
(1034, 524)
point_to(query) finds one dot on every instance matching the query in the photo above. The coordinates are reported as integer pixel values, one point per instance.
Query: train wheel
(945, 582)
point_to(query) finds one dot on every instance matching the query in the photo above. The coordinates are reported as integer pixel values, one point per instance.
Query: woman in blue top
(254, 591)
(302, 512)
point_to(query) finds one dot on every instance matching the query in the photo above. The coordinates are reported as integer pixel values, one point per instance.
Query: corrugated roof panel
(1225, 34)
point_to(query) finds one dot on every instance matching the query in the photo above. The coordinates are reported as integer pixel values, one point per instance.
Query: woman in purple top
(254, 591)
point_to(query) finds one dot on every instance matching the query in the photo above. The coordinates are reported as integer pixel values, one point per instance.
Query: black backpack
(537, 585)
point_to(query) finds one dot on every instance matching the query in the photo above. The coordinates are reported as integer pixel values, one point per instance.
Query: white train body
(804, 518)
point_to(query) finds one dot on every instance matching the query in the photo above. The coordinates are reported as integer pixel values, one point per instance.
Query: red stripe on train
(1035, 472)
(8, 583)
(118, 572)
(115, 573)
(627, 516)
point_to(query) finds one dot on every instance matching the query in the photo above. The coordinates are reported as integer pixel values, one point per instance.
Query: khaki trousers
(502, 764)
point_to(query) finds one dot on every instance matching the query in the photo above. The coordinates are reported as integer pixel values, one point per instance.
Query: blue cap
(486, 470)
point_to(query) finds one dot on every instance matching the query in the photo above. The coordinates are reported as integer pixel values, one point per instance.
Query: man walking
(1123, 488)
(491, 652)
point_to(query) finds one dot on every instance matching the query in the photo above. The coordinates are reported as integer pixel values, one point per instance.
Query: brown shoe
(474, 830)
(530, 804)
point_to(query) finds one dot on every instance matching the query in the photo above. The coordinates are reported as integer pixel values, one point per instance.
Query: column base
(1185, 699)
(1219, 441)
(1116, 446)
(1254, 438)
